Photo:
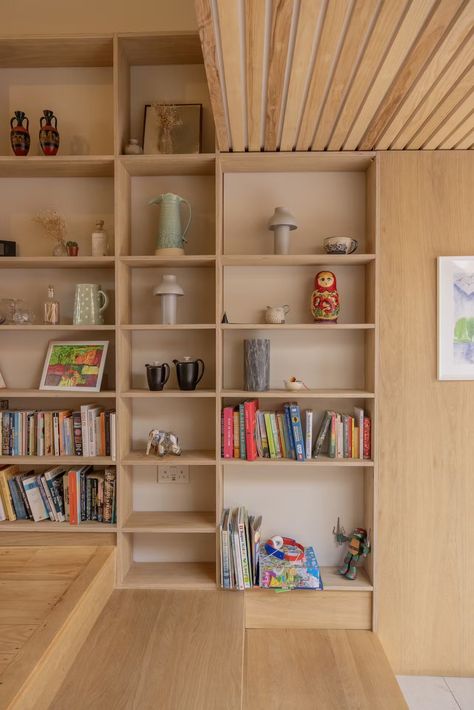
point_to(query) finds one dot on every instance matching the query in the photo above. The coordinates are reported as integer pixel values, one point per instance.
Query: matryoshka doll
(325, 299)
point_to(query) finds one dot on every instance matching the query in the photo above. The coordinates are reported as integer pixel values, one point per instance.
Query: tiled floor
(437, 693)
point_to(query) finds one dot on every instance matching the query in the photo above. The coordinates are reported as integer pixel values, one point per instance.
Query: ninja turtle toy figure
(357, 549)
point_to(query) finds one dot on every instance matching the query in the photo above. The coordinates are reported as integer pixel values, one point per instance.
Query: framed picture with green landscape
(74, 365)
(456, 318)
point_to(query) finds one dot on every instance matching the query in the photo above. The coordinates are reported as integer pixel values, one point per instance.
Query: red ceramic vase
(49, 134)
(19, 135)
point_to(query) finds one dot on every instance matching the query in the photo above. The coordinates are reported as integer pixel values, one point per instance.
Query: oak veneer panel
(230, 27)
(328, 670)
(266, 609)
(13, 636)
(277, 56)
(64, 51)
(56, 537)
(254, 37)
(426, 487)
(145, 652)
(161, 48)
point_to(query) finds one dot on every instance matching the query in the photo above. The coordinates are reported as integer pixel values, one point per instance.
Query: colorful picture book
(87, 431)
(60, 494)
(290, 574)
(240, 544)
(249, 433)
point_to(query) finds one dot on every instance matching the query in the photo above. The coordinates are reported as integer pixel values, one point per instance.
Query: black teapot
(157, 375)
(187, 372)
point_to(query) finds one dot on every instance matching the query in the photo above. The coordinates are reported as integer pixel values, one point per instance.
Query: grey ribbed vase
(257, 365)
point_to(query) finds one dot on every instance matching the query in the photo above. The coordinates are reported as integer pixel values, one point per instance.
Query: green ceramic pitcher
(89, 304)
(171, 237)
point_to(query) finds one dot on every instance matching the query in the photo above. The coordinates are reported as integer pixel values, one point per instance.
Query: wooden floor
(39, 589)
(185, 651)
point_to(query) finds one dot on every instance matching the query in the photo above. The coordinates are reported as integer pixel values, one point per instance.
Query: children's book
(290, 574)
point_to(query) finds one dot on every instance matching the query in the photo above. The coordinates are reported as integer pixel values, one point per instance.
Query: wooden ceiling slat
(334, 21)
(458, 134)
(254, 40)
(459, 92)
(454, 39)
(308, 20)
(458, 117)
(230, 32)
(282, 12)
(427, 42)
(381, 38)
(466, 142)
(433, 98)
(355, 40)
(208, 43)
(412, 24)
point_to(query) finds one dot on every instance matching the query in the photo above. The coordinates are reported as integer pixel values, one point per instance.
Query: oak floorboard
(329, 670)
(160, 649)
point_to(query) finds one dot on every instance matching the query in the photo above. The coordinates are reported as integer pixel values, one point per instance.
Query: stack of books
(89, 431)
(240, 542)
(248, 433)
(61, 494)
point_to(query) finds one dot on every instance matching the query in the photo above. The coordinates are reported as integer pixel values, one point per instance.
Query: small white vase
(99, 240)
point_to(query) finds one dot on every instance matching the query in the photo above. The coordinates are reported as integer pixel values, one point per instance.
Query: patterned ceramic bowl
(340, 245)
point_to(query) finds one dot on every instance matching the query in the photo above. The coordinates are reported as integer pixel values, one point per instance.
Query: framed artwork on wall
(456, 318)
(172, 128)
(74, 365)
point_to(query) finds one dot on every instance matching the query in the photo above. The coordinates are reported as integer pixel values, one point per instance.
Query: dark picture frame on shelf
(74, 365)
(185, 137)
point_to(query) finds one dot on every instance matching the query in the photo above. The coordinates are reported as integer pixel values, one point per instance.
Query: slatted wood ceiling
(340, 74)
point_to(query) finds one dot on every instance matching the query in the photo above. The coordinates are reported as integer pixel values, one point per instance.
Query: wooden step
(328, 670)
(50, 598)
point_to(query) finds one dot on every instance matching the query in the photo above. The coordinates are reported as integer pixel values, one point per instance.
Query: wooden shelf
(289, 162)
(259, 260)
(300, 394)
(332, 582)
(164, 394)
(54, 394)
(146, 48)
(298, 326)
(56, 166)
(56, 262)
(171, 522)
(59, 460)
(64, 51)
(156, 262)
(170, 575)
(151, 165)
(88, 526)
(187, 458)
(321, 461)
(176, 326)
(58, 328)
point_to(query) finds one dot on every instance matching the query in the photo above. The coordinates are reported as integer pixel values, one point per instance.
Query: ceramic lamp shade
(169, 290)
(281, 224)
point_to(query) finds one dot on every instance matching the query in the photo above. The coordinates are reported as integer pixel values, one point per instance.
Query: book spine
(287, 436)
(98, 436)
(6, 495)
(243, 448)
(35, 500)
(91, 414)
(18, 504)
(309, 432)
(297, 432)
(323, 431)
(289, 427)
(84, 430)
(72, 497)
(236, 433)
(244, 557)
(107, 433)
(276, 438)
(225, 560)
(268, 427)
(39, 481)
(281, 435)
(367, 449)
(81, 516)
(109, 479)
(77, 433)
(250, 444)
(21, 489)
(263, 434)
(113, 436)
(228, 424)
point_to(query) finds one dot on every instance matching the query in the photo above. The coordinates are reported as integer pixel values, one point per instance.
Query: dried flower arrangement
(55, 227)
(167, 119)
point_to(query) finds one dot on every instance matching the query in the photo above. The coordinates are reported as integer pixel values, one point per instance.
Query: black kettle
(157, 375)
(189, 372)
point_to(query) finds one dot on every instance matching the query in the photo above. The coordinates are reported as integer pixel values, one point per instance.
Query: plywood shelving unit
(166, 535)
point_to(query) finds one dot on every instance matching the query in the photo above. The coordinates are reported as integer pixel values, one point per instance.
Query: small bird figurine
(325, 299)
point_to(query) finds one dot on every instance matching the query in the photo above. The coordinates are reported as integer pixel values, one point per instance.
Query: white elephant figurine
(162, 443)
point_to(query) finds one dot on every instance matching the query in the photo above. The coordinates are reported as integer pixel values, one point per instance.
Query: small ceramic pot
(340, 245)
(293, 384)
(49, 134)
(72, 250)
(19, 135)
(276, 314)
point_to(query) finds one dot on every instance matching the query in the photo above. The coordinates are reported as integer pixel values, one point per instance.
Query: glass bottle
(99, 239)
(51, 308)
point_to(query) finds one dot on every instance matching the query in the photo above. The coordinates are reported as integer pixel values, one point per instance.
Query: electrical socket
(173, 474)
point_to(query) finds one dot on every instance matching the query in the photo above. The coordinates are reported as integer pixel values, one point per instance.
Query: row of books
(249, 433)
(240, 542)
(89, 431)
(60, 494)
